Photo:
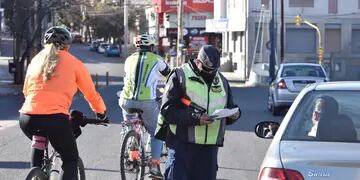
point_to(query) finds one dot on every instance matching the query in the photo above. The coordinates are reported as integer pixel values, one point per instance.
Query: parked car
(102, 47)
(94, 45)
(318, 137)
(290, 79)
(112, 50)
(77, 38)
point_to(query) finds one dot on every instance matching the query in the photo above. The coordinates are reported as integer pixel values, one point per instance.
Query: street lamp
(298, 20)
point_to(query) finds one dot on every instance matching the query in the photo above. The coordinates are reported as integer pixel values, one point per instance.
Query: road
(239, 159)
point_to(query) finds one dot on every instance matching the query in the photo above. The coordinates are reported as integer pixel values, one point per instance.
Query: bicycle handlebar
(94, 121)
(78, 119)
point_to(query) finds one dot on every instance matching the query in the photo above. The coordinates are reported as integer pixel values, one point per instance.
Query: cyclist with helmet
(51, 81)
(142, 72)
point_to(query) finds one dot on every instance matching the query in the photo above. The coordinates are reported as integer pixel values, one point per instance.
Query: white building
(339, 24)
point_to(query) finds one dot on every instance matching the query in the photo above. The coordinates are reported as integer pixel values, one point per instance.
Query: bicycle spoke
(131, 157)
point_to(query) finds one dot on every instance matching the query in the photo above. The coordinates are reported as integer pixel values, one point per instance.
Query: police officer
(193, 137)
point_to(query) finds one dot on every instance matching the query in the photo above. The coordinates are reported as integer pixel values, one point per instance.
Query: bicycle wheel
(132, 158)
(81, 170)
(36, 174)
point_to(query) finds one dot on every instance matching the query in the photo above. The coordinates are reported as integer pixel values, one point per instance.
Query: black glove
(77, 118)
(102, 117)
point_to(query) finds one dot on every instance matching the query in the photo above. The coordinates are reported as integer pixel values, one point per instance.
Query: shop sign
(189, 6)
(186, 31)
(199, 18)
(198, 41)
(202, 1)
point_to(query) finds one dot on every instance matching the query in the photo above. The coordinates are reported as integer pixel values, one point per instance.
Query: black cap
(209, 56)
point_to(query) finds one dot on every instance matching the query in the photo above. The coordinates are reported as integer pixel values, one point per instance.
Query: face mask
(208, 76)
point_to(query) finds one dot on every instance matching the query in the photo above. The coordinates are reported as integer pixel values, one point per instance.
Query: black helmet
(210, 57)
(57, 34)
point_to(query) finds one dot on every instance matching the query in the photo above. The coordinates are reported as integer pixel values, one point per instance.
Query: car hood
(322, 160)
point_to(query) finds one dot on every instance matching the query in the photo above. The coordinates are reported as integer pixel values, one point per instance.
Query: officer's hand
(232, 119)
(235, 116)
(205, 119)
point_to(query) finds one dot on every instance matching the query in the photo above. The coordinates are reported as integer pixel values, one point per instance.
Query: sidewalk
(6, 80)
(234, 80)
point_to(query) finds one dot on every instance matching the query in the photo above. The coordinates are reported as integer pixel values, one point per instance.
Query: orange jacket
(55, 95)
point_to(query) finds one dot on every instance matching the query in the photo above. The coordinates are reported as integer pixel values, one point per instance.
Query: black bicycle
(51, 166)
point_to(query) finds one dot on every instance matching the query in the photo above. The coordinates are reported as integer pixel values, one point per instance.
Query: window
(333, 6)
(301, 3)
(258, 41)
(302, 70)
(227, 41)
(355, 39)
(300, 40)
(337, 121)
(235, 37)
(241, 41)
(332, 39)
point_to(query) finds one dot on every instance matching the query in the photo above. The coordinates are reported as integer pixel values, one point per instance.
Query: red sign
(189, 6)
(198, 41)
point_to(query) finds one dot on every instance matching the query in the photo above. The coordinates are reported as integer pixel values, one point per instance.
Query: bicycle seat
(135, 110)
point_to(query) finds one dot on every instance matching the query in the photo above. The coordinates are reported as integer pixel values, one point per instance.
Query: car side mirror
(266, 129)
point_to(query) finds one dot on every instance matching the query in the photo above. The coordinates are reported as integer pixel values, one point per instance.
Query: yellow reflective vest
(211, 99)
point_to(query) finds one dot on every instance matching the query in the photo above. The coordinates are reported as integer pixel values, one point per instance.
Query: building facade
(337, 20)
(195, 14)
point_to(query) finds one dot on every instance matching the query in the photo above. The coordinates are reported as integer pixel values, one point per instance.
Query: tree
(24, 18)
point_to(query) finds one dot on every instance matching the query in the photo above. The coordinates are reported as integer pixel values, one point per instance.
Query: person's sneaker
(154, 170)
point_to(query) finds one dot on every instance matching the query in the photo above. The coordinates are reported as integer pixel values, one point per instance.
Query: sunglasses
(207, 68)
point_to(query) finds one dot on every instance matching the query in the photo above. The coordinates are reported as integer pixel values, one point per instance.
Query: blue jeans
(150, 114)
(191, 162)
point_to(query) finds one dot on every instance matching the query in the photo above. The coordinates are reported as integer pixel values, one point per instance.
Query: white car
(319, 137)
(290, 79)
(102, 47)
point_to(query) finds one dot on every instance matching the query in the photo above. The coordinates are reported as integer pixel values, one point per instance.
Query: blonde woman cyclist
(51, 81)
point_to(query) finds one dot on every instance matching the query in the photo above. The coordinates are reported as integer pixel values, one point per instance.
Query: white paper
(222, 113)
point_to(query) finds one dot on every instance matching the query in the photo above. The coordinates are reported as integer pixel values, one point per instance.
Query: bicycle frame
(135, 123)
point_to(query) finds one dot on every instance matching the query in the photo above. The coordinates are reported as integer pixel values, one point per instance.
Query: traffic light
(321, 55)
(297, 20)
(167, 17)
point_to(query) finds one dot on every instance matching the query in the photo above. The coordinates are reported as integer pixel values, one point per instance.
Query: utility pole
(39, 26)
(272, 40)
(180, 32)
(126, 29)
(282, 48)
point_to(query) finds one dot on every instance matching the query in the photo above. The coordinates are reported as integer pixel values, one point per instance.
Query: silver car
(290, 79)
(319, 136)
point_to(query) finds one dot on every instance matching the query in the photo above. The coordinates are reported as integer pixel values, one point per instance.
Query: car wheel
(274, 109)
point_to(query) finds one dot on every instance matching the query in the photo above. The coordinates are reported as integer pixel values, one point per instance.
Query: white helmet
(145, 40)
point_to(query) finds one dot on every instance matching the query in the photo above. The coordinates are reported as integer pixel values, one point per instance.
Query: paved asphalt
(239, 159)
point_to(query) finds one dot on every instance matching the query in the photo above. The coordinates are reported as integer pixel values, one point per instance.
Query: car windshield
(326, 116)
(302, 70)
